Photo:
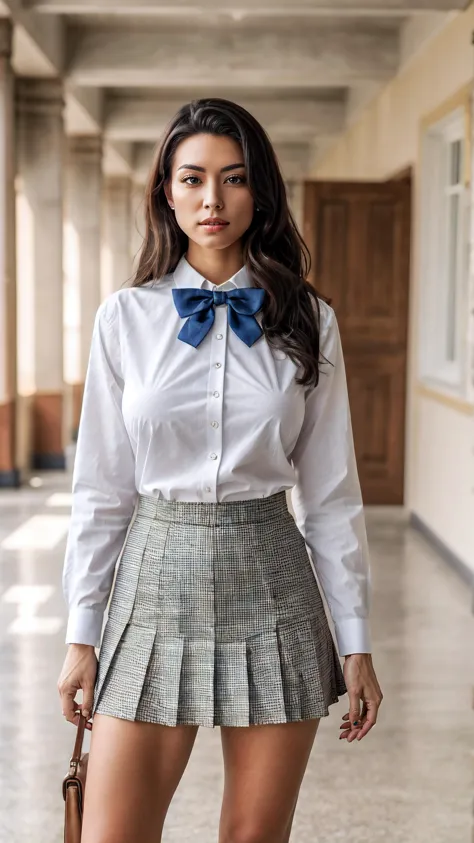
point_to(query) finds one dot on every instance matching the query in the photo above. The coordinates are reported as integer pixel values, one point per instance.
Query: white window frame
(438, 368)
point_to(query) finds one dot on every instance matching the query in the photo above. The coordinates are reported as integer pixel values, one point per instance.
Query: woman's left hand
(362, 685)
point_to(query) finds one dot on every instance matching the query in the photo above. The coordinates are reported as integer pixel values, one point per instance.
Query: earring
(172, 207)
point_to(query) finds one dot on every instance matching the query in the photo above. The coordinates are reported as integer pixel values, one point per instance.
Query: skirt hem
(195, 722)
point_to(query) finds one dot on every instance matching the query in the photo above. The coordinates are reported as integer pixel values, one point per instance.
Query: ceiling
(304, 69)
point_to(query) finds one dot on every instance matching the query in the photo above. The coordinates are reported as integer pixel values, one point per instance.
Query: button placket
(215, 401)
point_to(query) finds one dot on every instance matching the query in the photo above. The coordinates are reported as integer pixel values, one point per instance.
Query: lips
(214, 221)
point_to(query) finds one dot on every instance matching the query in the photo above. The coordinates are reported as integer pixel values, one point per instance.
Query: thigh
(134, 769)
(264, 767)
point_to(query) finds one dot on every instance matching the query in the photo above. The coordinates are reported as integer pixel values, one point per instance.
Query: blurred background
(369, 105)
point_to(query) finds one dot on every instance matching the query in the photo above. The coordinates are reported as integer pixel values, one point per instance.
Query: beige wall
(385, 139)
(382, 142)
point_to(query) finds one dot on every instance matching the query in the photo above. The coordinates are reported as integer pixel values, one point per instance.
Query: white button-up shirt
(220, 422)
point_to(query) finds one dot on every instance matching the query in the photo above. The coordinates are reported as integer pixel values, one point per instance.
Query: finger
(349, 734)
(362, 721)
(68, 705)
(370, 722)
(79, 709)
(75, 722)
(354, 710)
(75, 719)
(355, 714)
(87, 700)
(354, 731)
(88, 725)
(83, 710)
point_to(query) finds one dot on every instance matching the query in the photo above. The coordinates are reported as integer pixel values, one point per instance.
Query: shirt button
(216, 394)
(218, 365)
(219, 336)
(214, 424)
(208, 488)
(213, 456)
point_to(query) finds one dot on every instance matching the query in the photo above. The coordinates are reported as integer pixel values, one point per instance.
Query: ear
(168, 193)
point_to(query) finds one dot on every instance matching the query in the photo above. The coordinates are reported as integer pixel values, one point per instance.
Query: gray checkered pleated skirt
(216, 619)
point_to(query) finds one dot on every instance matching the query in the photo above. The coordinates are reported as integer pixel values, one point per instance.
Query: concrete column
(116, 249)
(40, 151)
(470, 308)
(471, 337)
(9, 474)
(82, 250)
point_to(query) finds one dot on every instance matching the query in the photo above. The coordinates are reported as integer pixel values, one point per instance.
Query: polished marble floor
(409, 781)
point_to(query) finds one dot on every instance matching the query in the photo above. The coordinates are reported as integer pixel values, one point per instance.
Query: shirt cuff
(84, 626)
(353, 636)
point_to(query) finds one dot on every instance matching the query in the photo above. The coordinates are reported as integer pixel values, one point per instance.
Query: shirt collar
(186, 276)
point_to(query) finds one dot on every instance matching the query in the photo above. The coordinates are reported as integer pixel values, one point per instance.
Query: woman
(215, 383)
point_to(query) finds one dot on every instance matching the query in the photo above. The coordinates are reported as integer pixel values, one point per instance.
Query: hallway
(410, 781)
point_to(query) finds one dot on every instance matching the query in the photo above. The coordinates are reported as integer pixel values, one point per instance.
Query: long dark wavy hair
(275, 254)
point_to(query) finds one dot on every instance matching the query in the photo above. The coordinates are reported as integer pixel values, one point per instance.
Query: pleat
(308, 668)
(122, 601)
(113, 632)
(160, 695)
(267, 703)
(231, 703)
(196, 684)
(338, 685)
(123, 684)
(128, 571)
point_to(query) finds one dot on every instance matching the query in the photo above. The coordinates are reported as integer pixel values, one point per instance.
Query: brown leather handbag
(74, 785)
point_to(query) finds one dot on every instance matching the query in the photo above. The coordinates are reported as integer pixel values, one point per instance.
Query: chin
(215, 241)
(217, 247)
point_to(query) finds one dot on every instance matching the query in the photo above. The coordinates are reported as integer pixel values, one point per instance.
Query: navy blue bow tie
(198, 305)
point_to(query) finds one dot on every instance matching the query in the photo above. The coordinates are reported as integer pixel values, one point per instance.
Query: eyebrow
(203, 169)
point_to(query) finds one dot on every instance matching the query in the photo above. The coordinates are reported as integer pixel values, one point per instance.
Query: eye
(236, 179)
(186, 180)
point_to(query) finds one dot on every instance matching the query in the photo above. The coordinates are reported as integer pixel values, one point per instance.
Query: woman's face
(209, 180)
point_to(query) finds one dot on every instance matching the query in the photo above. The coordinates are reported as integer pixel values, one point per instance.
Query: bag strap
(76, 755)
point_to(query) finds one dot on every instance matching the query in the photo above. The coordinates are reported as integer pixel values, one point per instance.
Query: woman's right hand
(79, 671)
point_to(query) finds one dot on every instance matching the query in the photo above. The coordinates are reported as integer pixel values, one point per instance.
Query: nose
(213, 198)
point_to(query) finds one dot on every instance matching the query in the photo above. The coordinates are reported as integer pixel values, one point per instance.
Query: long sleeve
(103, 487)
(327, 499)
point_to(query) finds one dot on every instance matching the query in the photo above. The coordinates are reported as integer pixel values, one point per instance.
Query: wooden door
(359, 238)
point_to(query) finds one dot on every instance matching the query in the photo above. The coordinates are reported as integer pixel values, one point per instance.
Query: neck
(217, 265)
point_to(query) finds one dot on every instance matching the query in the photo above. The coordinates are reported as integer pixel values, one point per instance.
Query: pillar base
(9, 474)
(10, 479)
(49, 462)
(48, 454)
(77, 396)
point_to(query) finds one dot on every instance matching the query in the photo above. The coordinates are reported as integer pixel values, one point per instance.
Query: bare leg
(286, 839)
(134, 769)
(264, 768)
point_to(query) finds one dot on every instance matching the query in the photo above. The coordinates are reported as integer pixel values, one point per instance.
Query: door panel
(377, 394)
(359, 238)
